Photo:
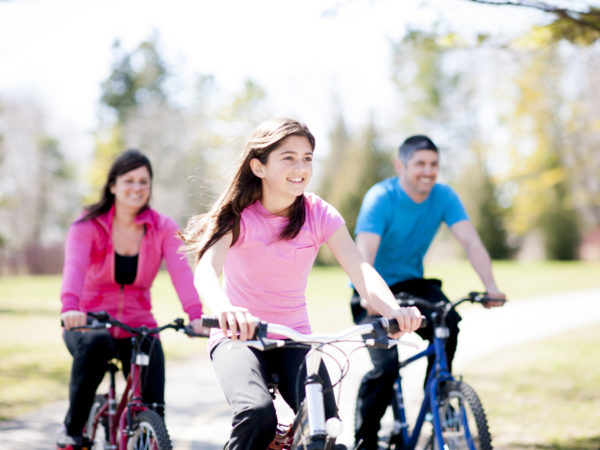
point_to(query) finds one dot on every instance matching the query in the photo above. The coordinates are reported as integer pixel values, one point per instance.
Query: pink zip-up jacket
(88, 282)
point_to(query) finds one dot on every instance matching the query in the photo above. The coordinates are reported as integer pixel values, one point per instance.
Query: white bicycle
(310, 430)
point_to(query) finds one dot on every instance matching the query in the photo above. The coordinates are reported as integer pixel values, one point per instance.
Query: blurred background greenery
(515, 114)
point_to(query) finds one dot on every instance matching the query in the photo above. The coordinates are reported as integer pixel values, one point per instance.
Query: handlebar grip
(484, 299)
(189, 331)
(102, 316)
(210, 322)
(393, 327)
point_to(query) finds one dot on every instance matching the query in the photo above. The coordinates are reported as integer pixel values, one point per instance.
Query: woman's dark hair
(204, 230)
(125, 162)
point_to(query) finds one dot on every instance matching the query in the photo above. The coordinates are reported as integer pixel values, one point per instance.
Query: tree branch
(577, 17)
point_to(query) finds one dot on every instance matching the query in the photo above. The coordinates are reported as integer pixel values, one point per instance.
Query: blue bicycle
(453, 407)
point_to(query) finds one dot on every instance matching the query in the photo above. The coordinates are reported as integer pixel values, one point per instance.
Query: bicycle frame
(120, 417)
(319, 428)
(321, 432)
(314, 395)
(438, 374)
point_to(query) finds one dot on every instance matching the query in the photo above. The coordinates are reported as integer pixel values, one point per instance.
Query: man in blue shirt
(397, 222)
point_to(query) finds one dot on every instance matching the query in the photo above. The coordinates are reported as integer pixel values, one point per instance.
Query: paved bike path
(198, 417)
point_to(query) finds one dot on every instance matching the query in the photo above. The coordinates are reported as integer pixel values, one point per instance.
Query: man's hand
(494, 295)
(73, 318)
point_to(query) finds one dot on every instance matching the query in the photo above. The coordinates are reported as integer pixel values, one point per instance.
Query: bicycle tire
(455, 394)
(149, 432)
(302, 439)
(97, 430)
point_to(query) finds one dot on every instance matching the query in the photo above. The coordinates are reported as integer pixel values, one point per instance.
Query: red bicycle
(126, 421)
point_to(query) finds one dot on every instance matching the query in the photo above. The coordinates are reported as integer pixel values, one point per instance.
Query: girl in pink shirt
(262, 236)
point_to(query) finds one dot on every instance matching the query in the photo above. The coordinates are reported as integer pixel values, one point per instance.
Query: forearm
(183, 281)
(482, 264)
(207, 283)
(373, 289)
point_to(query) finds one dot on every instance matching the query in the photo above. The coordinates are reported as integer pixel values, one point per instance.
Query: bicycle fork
(314, 408)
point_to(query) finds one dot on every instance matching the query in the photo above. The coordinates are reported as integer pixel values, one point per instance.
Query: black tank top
(125, 268)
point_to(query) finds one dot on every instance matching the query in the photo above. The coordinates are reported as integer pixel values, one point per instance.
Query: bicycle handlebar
(101, 319)
(405, 299)
(379, 328)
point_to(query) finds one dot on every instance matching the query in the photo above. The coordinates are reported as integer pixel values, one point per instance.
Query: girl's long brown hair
(204, 230)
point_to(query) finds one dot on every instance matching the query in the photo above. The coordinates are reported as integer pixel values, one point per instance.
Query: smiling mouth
(296, 180)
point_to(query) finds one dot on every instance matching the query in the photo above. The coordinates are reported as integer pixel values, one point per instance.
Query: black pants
(377, 387)
(92, 350)
(243, 373)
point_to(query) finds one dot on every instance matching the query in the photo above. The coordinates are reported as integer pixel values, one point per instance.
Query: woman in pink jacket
(112, 255)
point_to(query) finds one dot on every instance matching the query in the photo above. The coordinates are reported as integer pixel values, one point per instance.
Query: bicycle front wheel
(149, 433)
(463, 420)
(96, 428)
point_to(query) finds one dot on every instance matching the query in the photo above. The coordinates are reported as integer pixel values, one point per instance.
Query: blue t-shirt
(406, 228)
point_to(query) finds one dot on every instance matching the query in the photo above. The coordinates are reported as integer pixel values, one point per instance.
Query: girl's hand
(73, 318)
(409, 320)
(234, 320)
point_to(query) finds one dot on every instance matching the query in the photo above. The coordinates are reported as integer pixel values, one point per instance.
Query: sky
(302, 52)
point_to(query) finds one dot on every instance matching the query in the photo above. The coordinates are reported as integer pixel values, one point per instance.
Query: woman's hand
(409, 320)
(197, 327)
(234, 320)
(73, 318)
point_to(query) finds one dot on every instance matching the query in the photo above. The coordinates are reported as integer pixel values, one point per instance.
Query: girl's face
(286, 173)
(132, 189)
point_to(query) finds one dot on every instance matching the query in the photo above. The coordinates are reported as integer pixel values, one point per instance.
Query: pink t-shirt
(267, 275)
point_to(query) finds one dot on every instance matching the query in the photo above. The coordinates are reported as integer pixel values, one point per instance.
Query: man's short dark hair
(414, 143)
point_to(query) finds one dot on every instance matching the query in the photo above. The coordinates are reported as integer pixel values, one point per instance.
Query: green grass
(543, 395)
(35, 363)
(518, 280)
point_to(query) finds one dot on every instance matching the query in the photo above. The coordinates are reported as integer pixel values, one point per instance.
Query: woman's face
(132, 189)
(287, 171)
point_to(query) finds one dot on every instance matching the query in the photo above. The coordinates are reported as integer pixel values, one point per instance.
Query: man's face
(419, 175)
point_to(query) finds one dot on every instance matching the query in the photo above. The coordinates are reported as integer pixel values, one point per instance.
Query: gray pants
(243, 373)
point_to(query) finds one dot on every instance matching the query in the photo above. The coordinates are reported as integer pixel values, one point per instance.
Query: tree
(137, 79)
(480, 193)
(37, 191)
(447, 105)
(352, 167)
(544, 199)
(190, 146)
(578, 26)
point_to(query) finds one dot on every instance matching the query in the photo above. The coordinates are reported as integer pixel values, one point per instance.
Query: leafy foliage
(137, 79)
(352, 167)
(577, 26)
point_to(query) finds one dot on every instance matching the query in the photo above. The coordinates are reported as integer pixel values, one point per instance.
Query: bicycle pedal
(283, 438)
